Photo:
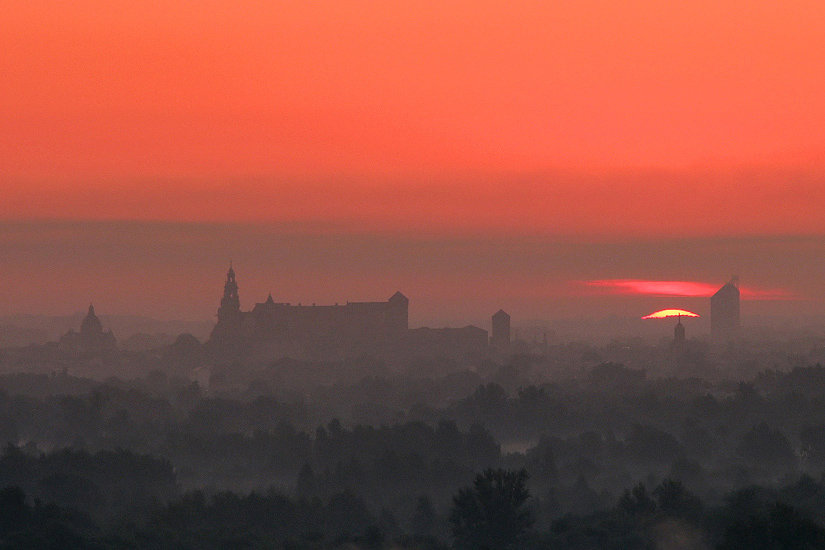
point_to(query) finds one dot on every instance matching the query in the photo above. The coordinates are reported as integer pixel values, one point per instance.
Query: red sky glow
(682, 288)
(508, 147)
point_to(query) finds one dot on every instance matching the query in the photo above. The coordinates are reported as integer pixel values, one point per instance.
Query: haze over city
(475, 155)
(396, 275)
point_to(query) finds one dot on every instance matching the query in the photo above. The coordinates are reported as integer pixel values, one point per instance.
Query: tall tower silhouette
(230, 309)
(500, 339)
(228, 330)
(679, 331)
(724, 313)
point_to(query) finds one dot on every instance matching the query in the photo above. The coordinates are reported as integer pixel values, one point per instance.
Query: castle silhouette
(276, 329)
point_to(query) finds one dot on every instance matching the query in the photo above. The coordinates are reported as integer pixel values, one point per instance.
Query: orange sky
(582, 119)
(129, 96)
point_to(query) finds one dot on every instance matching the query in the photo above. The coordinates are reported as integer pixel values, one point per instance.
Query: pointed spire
(230, 303)
(679, 330)
(230, 275)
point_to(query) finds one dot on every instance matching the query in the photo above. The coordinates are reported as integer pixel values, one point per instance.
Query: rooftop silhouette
(271, 330)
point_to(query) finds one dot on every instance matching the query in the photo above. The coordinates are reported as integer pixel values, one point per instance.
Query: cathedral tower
(230, 310)
(228, 330)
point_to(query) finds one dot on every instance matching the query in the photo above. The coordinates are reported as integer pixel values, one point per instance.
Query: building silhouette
(276, 329)
(724, 313)
(229, 330)
(679, 331)
(500, 339)
(91, 340)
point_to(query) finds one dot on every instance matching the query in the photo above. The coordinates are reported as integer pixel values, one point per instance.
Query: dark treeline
(614, 458)
(666, 516)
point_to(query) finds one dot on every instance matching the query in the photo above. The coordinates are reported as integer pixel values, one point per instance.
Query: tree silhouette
(780, 527)
(491, 514)
(637, 501)
(424, 518)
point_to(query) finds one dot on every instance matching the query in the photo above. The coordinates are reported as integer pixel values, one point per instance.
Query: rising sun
(661, 314)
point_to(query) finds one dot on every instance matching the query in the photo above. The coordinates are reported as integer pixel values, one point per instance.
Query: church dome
(91, 323)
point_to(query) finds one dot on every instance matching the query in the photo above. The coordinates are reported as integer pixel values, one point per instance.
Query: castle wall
(272, 330)
(353, 327)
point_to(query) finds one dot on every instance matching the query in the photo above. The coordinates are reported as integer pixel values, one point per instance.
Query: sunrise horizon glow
(667, 313)
(542, 154)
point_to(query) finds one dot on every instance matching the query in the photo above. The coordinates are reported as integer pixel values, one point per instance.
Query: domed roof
(91, 323)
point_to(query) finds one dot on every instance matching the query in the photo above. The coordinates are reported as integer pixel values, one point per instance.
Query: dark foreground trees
(491, 515)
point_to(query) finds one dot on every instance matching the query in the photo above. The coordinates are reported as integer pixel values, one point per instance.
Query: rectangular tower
(724, 313)
(500, 339)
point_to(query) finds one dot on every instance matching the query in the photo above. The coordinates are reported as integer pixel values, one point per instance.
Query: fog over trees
(574, 447)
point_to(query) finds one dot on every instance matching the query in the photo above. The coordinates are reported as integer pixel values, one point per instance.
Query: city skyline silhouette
(379, 274)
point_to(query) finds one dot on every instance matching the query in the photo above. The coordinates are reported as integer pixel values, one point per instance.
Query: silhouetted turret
(231, 302)
(679, 331)
(398, 313)
(500, 340)
(228, 329)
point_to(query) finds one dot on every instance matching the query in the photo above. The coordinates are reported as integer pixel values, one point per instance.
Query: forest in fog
(351, 454)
